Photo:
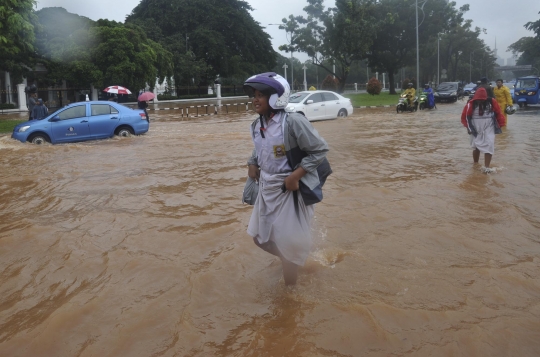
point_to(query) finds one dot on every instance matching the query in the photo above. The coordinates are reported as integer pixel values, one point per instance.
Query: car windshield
(298, 97)
(526, 83)
(447, 86)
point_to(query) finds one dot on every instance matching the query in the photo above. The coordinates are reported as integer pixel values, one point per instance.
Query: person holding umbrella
(142, 102)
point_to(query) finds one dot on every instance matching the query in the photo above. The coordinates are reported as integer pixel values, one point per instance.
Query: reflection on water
(137, 246)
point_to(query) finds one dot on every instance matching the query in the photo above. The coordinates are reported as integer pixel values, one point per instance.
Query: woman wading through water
(483, 119)
(280, 222)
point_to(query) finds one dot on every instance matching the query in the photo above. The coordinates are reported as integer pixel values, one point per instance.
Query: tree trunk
(391, 81)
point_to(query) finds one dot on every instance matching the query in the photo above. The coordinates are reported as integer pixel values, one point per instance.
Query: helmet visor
(249, 89)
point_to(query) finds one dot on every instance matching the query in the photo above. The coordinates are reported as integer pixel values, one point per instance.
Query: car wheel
(342, 113)
(124, 132)
(39, 139)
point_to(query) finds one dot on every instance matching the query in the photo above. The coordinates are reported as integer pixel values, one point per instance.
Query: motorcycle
(403, 104)
(423, 102)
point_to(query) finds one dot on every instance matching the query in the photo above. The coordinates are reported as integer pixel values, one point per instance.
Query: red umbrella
(117, 90)
(146, 96)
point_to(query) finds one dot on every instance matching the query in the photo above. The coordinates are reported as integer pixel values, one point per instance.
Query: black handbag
(316, 195)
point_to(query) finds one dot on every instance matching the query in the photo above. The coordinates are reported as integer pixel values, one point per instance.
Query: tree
(395, 46)
(222, 34)
(340, 35)
(528, 47)
(125, 55)
(63, 44)
(17, 37)
(101, 53)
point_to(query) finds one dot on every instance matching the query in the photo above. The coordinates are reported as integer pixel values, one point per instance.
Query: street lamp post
(438, 59)
(417, 50)
(285, 70)
(187, 38)
(305, 82)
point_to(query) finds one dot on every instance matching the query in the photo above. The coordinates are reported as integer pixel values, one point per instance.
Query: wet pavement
(138, 247)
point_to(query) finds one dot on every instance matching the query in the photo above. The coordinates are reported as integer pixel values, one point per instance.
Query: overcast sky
(502, 19)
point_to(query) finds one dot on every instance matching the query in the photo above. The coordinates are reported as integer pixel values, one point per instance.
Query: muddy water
(137, 246)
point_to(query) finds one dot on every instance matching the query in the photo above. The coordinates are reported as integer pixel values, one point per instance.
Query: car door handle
(84, 121)
(114, 117)
(322, 105)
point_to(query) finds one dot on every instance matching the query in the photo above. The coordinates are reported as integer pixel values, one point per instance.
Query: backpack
(323, 170)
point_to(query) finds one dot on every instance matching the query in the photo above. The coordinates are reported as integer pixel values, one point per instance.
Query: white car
(319, 105)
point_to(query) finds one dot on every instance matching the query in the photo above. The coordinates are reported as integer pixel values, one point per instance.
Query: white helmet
(271, 84)
(510, 109)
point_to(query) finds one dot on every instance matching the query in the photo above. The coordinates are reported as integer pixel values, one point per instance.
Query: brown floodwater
(138, 246)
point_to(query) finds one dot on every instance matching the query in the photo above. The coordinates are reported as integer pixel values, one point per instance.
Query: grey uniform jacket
(300, 136)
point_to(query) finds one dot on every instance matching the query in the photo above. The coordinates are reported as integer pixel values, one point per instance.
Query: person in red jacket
(483, 119)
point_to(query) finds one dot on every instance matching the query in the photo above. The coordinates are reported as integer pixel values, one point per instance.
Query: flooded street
(138, 246)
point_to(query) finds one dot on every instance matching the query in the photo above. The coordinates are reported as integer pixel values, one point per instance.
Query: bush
(7, 106)
(166, 97)
(330, 83)
(374, 86)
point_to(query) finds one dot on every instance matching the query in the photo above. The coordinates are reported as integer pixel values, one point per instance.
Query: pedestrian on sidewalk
(40, 111)
(31, 104)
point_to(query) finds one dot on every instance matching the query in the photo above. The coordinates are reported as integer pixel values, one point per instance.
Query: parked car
(319, 105)
(448, 92)
(83, 121)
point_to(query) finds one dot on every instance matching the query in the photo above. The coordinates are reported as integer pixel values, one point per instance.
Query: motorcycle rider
(430, 97)
(410, 92)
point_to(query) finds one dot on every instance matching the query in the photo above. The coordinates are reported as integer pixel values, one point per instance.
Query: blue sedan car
(83, 121)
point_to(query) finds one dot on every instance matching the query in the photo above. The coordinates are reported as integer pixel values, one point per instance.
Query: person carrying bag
(286, 159)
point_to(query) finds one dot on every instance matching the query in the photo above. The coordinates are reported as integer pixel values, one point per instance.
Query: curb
(374, 106)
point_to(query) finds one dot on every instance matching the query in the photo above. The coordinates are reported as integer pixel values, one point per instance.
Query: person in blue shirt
(40, 111)
(430, 97)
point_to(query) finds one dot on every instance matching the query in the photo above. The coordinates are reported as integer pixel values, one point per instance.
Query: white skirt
(485, 140)
(274, 218)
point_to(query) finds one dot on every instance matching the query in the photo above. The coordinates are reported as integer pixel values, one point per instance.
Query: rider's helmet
(426, 85)
(410, 85)
(270, 84)
(510, 109)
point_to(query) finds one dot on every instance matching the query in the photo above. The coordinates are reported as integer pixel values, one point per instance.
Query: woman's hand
(292, 182)
(254, 172)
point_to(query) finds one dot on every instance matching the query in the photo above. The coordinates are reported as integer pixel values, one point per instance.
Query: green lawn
(365, 99)
(6, 126)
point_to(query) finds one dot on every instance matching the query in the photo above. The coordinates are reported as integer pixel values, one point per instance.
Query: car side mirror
(55, 119)
(309, 101)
